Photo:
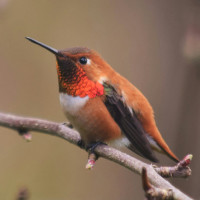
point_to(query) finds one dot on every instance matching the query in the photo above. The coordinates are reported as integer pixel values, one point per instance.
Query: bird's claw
(92, 147)
(81, 144)
(68, 124)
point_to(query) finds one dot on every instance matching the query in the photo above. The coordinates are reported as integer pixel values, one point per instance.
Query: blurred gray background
(155, 44)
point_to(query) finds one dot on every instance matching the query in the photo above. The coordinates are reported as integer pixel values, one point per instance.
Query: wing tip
(150, 155)
(170, 154)
(174, 158)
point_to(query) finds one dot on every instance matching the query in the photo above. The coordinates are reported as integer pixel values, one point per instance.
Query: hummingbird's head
(81, 71)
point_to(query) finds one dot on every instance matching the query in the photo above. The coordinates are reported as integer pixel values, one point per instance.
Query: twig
(155, 193)
(91, 161)
(181, 169)
(72, 136)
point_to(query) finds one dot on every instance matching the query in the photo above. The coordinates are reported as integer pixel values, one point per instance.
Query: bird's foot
(81, 144)
(68, 124)
(92, 156)
(91, 147)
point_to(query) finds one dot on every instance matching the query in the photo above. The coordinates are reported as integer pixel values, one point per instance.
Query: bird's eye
(83, 60)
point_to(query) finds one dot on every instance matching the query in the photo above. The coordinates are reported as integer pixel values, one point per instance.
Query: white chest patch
(121, 142)
(70, 104)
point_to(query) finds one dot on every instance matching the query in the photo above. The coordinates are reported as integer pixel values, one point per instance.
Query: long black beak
(52, 50)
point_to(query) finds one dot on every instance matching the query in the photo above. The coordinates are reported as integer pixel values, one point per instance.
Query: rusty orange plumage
(104, 106)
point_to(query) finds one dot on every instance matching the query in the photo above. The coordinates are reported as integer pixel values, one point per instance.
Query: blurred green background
(155, 44)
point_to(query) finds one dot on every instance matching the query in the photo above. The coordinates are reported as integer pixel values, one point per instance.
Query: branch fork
(155, 193)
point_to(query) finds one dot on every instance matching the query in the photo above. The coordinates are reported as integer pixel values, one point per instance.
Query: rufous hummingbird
(104, 106)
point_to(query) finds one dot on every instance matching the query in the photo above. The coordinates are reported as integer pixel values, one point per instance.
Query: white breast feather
(72, 104)
(121, 142)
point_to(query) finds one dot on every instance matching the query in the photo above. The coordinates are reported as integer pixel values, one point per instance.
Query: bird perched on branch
(104, 106)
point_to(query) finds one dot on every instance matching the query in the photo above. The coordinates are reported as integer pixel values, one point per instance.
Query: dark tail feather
(151, 157)
(173, 158)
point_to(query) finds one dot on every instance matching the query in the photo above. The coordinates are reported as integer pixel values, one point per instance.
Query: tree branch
(154, 193)
(181, 169)
(107, 152)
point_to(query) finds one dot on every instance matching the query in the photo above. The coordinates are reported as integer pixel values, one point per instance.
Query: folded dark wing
(129, 123)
